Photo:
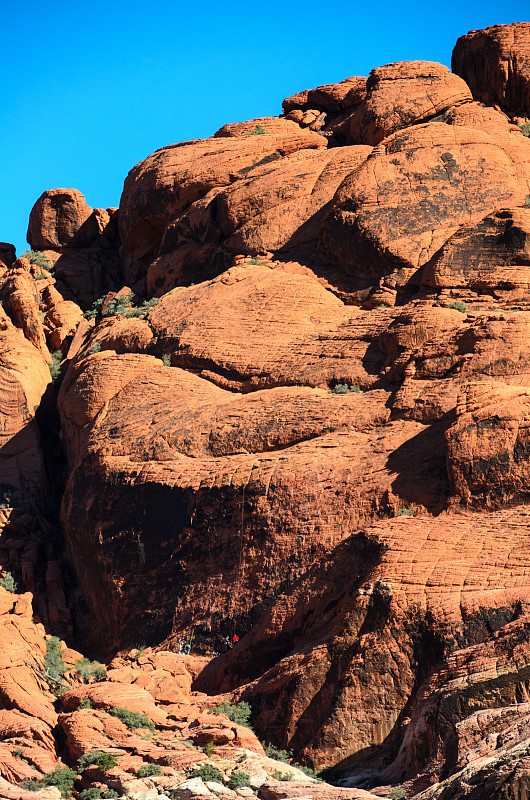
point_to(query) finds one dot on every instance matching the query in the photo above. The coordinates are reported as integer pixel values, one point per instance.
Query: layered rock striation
(295, 415)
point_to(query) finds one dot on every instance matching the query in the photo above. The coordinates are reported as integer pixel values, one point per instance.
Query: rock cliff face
(295, 415)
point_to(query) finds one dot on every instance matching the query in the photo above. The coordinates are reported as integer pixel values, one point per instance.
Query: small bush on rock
(148, 770)
(133, 719)
(89, 670)
(62, 777)
(525, 128)
(85, 703)
(37, 258)
(282, 776)
(95, 309)
(405, 512)
(311, 773)
(207, 772)
(275, 752)
(458, 305)
(8, 583)
(103, 760)
(346, 388)
(53, 663)
(55, 365)
(209, 749)
(239, 779)
(239, 713)
(257, 131)
(6, 501)
(96, 794)
(398, 794)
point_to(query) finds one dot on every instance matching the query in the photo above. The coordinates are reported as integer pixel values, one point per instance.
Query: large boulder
(404, 94)
(331, 97)
(56, 218)
(383, 231)
(495, 63)
(168, 181)
(277, 208)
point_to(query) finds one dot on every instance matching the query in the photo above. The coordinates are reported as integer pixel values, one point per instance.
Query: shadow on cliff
(314, 610)
(420, 465)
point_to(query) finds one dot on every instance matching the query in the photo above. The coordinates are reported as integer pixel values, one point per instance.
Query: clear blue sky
(90, 89)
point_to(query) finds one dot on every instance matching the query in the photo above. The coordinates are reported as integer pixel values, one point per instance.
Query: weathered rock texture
(170, 180)
(495, 63)
(404, 94)
(380, 230)
(80, 243)
(307, 451)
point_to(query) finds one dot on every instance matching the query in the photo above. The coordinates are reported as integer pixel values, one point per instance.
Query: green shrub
(209, 749)
(309, 771)
(275, 752)
(90, 794)
(55, 366)
(95, 309)
(239, 779)
(257, 263)
(124, 306)
(37, 258)
(527, 201)
(90, 670)
(54, 666)
(405, 512)
(345, 388)
(103, 760)
(257, 131)
(147, 770)
(133, 719)
(458, 305)
(96, 794)
(398, 794)
(19, 753)
(525, 128)
(85, 703)
(62, 777)
(166, 358)
(240, 713)
(8, 583)
(31, 785)
(282, 776)
(95, 348)
(206, 772)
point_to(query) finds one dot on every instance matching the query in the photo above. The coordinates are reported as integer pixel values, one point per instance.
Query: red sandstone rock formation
(495, 63)
(329, 460)
(404, 94)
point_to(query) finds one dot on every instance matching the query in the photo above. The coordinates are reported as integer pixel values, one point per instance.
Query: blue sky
(90, 89)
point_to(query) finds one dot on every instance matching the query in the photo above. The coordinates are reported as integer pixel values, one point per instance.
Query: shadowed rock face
(315, 439)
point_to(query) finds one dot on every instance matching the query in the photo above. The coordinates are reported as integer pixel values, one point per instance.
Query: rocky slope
(292, 376)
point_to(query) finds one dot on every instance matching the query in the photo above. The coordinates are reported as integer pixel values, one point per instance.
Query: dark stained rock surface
(404, 94)
(495, 63)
